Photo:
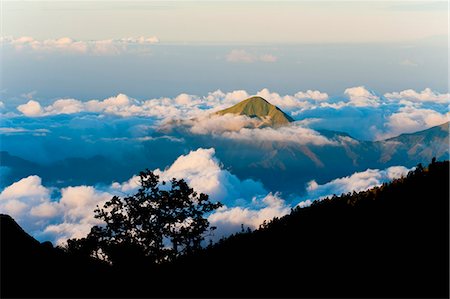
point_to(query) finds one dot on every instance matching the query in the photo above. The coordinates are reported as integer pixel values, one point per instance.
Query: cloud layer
(69, 213)
(243, 56)
(378, 116)
(55, 214)
(359, 181)
(69, 45)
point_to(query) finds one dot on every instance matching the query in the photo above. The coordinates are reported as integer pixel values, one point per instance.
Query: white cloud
(240, 56)
(31, 108)
(72, 214)
(20, 130)
(64, 106)
(229, 219)
(361, 97)
(410, 119)
(246, 57)
(218, 98)
(426, 95)
(183, 106)
(286, 102)
(218, 124)
(29, 187)
(22, 196)
(288, 134)
(203, 172)
(378, 117)
(45, 210)
(29, 202)
(312, 94)
(77, 205)
(305, 203)
(69, 45)
(359, 181)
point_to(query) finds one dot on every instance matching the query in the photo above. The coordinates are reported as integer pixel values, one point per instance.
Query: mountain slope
(421, 145)
(388, 242)
(257, 107)
(31, 269)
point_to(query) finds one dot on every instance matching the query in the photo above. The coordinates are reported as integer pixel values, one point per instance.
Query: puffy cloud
(288, 134)
(218, 98)
(410, 119)
(246, 57)
(71, 214)
(68, 45)
(229, 219)
(27, 188)
(30, 203)
(361, 97)
(183, 106)
(25, 200)
(203, 172)
(31, 108)
(359, 181)
(45, 210)
(312, 94)
(378, 117)
(426, 95)
(286, 102)
(64, 106)
(218, 124)
(118, 105)
(77, 205)
(240, 56)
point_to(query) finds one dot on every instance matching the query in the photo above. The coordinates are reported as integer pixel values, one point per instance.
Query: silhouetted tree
(160, 222)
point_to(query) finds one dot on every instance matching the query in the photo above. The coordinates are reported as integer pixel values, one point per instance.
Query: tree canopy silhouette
(159, 223)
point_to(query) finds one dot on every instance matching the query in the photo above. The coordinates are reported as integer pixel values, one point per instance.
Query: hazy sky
(229, 22)
(198, 47)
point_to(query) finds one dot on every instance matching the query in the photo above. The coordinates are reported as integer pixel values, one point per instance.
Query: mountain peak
(258, 107)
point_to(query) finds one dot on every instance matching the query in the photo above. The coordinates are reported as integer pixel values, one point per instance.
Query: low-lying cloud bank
(378, 116)
(245, 129)
(55, 214)
(71, 46)
(358, 181)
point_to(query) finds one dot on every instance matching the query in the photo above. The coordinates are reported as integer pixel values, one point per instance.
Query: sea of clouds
(49, 213)
(58, 213)
(378, 116)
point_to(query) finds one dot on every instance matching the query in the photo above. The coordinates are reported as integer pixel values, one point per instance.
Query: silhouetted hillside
(33, 269)
(390, 241)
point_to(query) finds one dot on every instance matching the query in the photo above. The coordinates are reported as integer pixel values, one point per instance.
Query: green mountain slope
(257, 107)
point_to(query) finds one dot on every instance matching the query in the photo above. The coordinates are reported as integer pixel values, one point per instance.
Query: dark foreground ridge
(391, 241)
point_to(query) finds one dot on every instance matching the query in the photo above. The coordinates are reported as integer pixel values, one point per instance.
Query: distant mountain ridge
(280, 165)
(258, 107)
(425, 144)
